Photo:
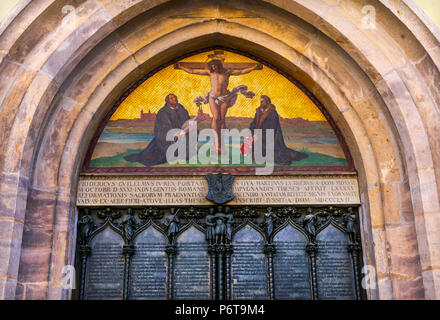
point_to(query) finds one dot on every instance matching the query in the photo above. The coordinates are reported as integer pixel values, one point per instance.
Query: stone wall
(61, 72)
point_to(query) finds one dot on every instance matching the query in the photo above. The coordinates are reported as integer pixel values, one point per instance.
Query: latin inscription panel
(192, 271)
(141, 191)
(105, 267)
(291, 265)
(334, 267)
(149, 266)
(249, 266)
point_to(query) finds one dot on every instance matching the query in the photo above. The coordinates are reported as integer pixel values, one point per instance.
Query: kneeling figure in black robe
(266, 117)
(171, 116)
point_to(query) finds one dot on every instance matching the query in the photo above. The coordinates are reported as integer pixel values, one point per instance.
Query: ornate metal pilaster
(84, 252)
(127, 251)
(213, 275)
(269, 250)
(220, 248)
(171, 251)
(354, 249)
(228, 271)
(312, 249)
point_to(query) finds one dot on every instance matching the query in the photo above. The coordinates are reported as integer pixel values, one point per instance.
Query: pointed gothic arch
(60, 79)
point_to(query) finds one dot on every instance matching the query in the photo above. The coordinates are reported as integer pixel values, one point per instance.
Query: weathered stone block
(404, 253)
(36, 291)
(7, 288)
(10, 247)
(409, 289)
(41, 208)
(391, 203)
(34, 266)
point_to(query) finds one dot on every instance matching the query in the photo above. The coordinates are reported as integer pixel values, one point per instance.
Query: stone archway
(62, 76)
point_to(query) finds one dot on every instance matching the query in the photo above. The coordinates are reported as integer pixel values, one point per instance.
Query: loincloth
(230, 98)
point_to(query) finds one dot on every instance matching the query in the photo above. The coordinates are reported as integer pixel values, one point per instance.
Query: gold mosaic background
(289, 100)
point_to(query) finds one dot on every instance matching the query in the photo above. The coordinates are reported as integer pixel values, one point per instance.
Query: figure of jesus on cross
(220, 98)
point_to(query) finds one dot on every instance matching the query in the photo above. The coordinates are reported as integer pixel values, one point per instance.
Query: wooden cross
(219, 55)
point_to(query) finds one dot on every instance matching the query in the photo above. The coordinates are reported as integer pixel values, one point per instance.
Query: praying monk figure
(220, 98)
(267, 118)
(171, 116)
